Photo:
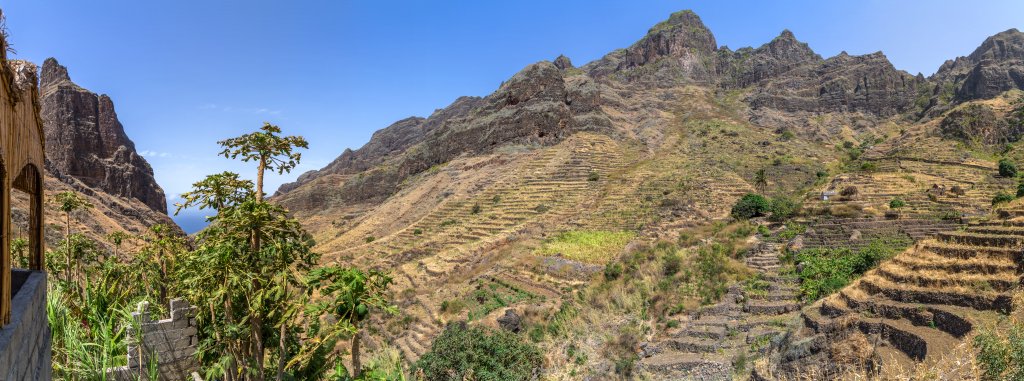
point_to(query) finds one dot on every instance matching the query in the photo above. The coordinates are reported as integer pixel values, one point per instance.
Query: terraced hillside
(744, 325)
(653, 143)
(915, 308)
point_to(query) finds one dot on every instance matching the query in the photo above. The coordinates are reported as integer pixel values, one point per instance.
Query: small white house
(827, 194)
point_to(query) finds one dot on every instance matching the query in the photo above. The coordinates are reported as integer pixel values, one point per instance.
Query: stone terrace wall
(171, 342)
(25, 342)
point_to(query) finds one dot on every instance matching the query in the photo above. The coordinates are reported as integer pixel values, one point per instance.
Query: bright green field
(596, 247)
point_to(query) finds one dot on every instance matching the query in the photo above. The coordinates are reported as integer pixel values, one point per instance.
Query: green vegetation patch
(1001, 353)
(478, 353)
(586, 246)
(487, 297)
(826, 270)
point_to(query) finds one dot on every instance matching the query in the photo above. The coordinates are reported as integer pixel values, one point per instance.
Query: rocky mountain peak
(788, 48)
(1006, 45)
(680, 49)
(682, 35)
(748, 66)
(86, 142)
(997, 65)
(53, 72)
(563, 62)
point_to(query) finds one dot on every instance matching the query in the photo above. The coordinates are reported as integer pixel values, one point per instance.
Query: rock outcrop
(994, 67)
(844, 83)
(977, 123)
(747, 66)
(680, 49)
(538, 105)
(85, 141)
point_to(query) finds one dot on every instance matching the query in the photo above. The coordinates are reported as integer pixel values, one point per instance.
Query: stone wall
(170, 342)
(25, 342)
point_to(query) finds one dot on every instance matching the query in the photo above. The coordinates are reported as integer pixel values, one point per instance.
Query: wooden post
(5, 257)
(35, 220)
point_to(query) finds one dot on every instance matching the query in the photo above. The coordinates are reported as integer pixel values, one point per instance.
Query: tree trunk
(259, 179)
(281, 352)
(258, 349)
(67, 240)
(357, 368)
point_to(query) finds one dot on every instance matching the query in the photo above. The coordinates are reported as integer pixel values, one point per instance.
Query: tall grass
(586, 246)
(89, 334)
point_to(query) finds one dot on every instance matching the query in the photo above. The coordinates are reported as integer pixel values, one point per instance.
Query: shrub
(1020, 189)
(1007, 168)
(751, 205)
(763, 230)
(957, 191)
(672, 263)
(792, 230)
(849, 191)
(479, 353)
(475, 209)
(897, 203)
(370, 239)
(826, 271)
(787, 135)
(542, 208)
(593, 176)
(417, 231)
(711, 270)
(1001, 197)
(868, 166)
(612, 271)
(1001, 355)
(496, 199)
(821, 174)
(782, 209)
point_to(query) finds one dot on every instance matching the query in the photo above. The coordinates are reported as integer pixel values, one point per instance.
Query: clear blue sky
(184, 74)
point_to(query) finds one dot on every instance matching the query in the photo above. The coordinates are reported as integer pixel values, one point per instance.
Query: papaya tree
(69, 202)
(249, 261)
(271, 151)
(349, 295)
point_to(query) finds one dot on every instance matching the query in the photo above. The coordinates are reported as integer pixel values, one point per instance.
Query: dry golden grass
(958, 364)
(596, 247)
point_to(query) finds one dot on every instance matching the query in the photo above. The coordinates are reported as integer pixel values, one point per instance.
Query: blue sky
(184, 74)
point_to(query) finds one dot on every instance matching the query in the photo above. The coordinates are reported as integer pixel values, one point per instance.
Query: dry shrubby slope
(528, 197)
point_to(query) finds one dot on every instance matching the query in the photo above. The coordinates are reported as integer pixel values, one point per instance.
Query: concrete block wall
(170, 343)
(25, 342)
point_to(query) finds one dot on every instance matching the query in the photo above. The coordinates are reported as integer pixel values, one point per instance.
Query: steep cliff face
(747, 66)
(784, 85)
(680, 49)
(537, 106)
(994, 67)
(86, 142)
(844, 83)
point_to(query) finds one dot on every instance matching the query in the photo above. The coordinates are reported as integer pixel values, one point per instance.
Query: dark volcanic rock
(536, 106)
(85, 141)
(510, 321)
(844, 83)
(563, 62)
(976, 123)
(747, 66)
(994, 67)
(678, 49)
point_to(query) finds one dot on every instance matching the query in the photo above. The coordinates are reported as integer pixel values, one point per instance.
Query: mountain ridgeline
(602, 196)
(547, 102)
